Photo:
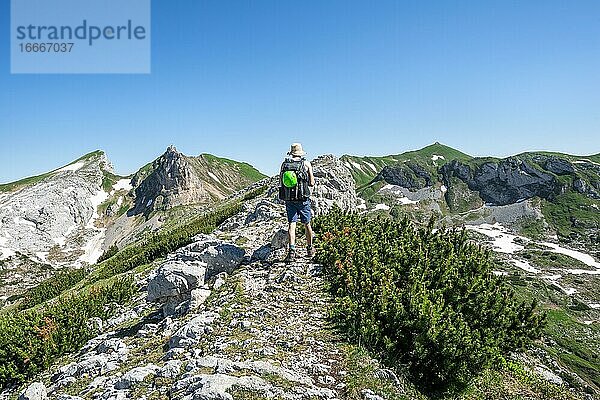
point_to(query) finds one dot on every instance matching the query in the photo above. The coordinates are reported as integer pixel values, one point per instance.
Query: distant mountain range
(540, 192)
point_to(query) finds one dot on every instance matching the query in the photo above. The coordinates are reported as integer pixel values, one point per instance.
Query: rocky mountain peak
(171, 181)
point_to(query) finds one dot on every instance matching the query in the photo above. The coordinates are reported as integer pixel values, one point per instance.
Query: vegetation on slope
(422, 299)
(31, 340)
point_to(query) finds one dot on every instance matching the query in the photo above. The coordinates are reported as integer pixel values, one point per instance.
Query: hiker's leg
(292, 234)
(309, 234)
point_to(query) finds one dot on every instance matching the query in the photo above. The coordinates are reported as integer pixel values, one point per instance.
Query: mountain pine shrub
(31, 340)
(426, 300)
(52, 287)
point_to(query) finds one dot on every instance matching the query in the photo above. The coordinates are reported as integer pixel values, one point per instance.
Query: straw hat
(296, 150)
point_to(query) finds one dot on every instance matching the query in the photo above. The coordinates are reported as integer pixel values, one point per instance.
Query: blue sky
(243, 79)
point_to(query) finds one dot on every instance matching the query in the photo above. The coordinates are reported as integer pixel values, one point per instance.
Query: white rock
(175, 278)
(198, 297)
(35, 391)
(193, 330)
(171, 369)
(136, 375)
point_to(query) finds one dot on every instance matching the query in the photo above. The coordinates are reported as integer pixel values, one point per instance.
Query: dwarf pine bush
(425, 300)
(31, 340)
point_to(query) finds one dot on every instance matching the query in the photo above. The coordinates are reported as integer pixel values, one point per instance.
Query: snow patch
(361, 207)
(372, 166)
(594, 305)
(382, 207)
(122, 184)
(96, 200)
(41, 255)
(583, 271)
(23, 221)
(500, 273)
(72, 167)
(443, 189)
(356, 165)
(5, 253)
(435, 157)
(406, 200)
(525, 266)
(583, 257)
(552, 277)
(502, 242)
(214, 177)
(93, 248)
(585, 161)
(60, 241)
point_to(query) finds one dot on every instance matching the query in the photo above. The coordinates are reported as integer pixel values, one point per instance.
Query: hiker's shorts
(295, 208)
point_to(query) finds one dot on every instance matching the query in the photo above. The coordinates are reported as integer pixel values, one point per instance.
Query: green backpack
(293, 185)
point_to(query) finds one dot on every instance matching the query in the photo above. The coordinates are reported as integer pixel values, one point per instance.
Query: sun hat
(296, 150)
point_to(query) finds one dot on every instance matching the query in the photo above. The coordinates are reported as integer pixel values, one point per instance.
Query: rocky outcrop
(558, 166)
(171, 182)
(333, 185)
(408, 175)
(179, 283)
(503, 182)
(175, 179)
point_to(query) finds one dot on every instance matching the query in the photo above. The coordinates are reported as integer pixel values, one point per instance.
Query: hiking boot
(310, 251)
(290, 257)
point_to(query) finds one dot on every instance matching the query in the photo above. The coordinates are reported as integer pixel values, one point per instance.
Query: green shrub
(51, 287)
(31, 340)
(425, 300)
(108, 253)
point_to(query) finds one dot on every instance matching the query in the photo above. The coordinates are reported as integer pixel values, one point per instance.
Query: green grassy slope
(364, 169)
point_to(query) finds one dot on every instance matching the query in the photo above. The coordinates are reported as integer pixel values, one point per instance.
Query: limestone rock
(35, 391)
(217, 255)
(333, 185)
(136, 375)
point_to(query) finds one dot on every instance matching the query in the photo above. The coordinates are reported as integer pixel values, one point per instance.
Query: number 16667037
(46, 47)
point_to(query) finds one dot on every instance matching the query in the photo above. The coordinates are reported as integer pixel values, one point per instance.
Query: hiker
(296, 175)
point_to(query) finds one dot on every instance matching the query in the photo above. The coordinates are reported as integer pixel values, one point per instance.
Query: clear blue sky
(243, 79)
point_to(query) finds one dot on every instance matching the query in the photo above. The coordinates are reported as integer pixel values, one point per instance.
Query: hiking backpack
(293, 180)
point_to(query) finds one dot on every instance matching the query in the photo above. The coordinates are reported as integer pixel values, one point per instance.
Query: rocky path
(259, 332)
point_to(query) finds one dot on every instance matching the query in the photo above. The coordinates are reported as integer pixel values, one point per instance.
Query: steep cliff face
(505, 182)
(171, 182)
(409, 175)
(175, 179)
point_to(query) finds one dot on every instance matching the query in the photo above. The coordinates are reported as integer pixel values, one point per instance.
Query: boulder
(198, 297)
(175, 278)
(35, 391)
(279, 239)
(265, 210)
(171, 369)
(173, 282)
(217, 255)
(136, 375)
